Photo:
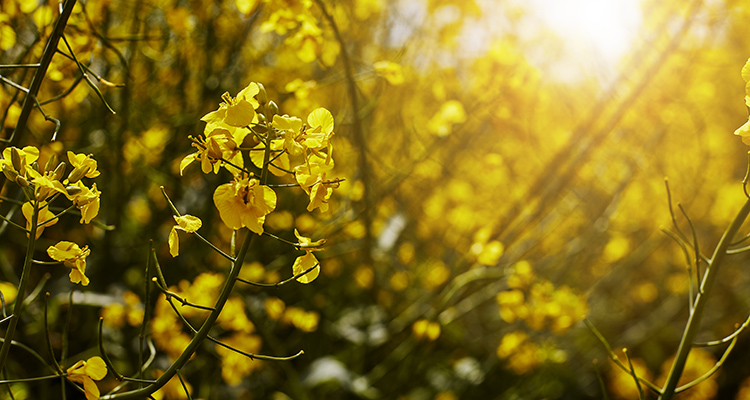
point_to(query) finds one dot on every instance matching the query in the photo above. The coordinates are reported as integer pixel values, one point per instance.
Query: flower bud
(15, 159)
(9, 173)
(73, 190)
(59, 172)
(51, 163)
(36, 167)
(273, 108)
(261, 96)
(21, 181)
(77, 174)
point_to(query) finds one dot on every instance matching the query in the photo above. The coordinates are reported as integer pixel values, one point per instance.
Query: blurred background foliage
(498, 188)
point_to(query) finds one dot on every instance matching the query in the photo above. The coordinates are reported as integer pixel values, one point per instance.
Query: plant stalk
(18, 306)
(701, 298)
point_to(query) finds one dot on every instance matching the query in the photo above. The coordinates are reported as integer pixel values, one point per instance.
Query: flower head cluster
(43, 186)
(281, 145)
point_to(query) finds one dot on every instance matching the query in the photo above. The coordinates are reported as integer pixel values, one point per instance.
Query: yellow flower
(244, 202)
(72, 257)
(292, 128)
(45, 186)
(23, 158)
(312, 179)
(83, 166)
(307, 261)
(319, 130)
(302, 264)
(187, 223)
(305, 243)
(235, 111)
(219, 147)
(87, 200)
(86, 372)
(280, 162)
(45, 218)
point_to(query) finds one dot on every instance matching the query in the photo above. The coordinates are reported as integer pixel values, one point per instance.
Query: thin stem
(206, 241)
(184, 387)
(182, 300)
(613, 356)
(633, 374)
(671, 212)
(72, 206)
(147, 308)
(41, 72)
(87, 78)
(726, 339)
(692, 284)
(602, 386)
(47, 335)
(696, 248)
(281, 283)
(710, 371)
(35, 379)
(107, 361)
(13, 223)
(693, 324)
(18, 306)
(200, 336)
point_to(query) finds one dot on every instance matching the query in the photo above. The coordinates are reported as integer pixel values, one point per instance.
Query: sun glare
(595, 33)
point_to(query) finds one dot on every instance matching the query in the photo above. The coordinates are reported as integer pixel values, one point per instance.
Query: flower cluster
(281, 145)
(42, 186)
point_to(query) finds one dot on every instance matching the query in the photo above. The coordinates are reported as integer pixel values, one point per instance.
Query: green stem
(701, 298)
(36, 83)
(199, 337)
(18, 306)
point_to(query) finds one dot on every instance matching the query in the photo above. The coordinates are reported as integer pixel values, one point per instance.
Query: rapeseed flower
(244, 202)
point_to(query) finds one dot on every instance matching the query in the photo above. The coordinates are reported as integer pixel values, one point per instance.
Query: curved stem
(701, 298)
(200, 336)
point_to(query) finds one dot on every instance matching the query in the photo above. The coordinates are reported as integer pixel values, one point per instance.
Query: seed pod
(51, 163)
(262, 96)
(21, 181)
(9, 173)
(273, 108)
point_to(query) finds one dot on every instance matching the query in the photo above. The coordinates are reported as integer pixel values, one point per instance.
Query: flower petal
(302, 264)
(188, 223)
(174, 242)
(96, 368)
